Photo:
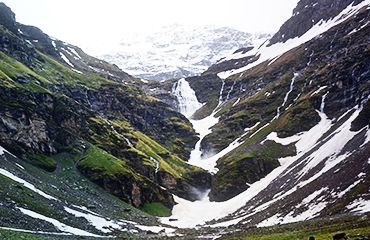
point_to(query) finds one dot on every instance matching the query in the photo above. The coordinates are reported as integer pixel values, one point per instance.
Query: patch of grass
(319, 234)
(13, 69)
(156, 209)
(57, 73)
(106, 164)
(43, 161)
(169, 162)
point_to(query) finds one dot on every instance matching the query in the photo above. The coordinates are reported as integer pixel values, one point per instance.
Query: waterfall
(278, 111)
(156, 164)
(322, 106)
(220, 97)
(187, 100)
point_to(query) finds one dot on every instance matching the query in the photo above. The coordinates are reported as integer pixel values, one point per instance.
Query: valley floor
(355, 227)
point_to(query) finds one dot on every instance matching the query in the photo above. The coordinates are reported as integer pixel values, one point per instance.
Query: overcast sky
(89, 23)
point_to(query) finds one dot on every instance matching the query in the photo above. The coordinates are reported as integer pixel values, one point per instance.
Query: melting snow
(274, 51)
(283, 141)
(318, 90)
(37, 232)
(359, 28)
(313, 195)
(20, 166)
(61, 226)
(359, 206)
(75, 52)
(66, 60)
(341, 194)
(236, 102)
(77, 71)
(258, 130)
(54, 45)
(3, 150)
(203, 128)
(25, 183)
(156, 229)
(100, 223)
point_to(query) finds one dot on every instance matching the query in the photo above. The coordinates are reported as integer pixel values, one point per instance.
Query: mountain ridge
(178, 51)
(276, 138)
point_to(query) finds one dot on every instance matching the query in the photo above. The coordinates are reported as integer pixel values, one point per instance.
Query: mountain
(178, 51)
(85, 147)
(283, 126)
(270, 142)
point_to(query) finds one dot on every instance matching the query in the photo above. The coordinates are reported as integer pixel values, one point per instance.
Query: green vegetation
(300, 117)
(11, 69)
(58, 73)
(319, 234)
(98, 160)
(43, 161)
(363, 118)
(167, 161)
(156, 209)
(354, 228)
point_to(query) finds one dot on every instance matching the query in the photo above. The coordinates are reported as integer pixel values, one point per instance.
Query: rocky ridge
(55, 99)
(177, 51)
(318, 83)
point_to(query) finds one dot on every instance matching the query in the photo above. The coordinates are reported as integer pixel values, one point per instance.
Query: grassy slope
(355, 227)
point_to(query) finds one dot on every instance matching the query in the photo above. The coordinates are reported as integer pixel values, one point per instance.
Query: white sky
(90, 23)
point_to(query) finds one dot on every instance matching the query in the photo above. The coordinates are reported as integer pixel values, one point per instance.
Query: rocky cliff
(286, 118)
(56, 99)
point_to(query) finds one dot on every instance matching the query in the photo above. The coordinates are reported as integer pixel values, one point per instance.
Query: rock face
(308, 13)
(319, 83)
(177, 51)
(328, 63)
(56, 99)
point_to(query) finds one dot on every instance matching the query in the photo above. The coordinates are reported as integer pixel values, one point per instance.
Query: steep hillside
(285, 134)
(276, 138)
(177, 51)
(58, 101)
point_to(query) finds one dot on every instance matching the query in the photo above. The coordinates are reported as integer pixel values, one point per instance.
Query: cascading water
(187, 100)
(188, 105)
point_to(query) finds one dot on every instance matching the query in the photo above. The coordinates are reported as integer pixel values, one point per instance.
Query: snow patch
(359, 206)
(74, 52)
(318, 90)
(283, 141)
(20, 166)
(236, 102)
(25, 183)
(54, 45)
(272, 52)
(100, 223)
(66, 59)
(341, 194)
(37, 232)
(77, 71)
(61, 226)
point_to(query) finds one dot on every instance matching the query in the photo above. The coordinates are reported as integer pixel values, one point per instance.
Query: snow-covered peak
(177, 51)
(271, 52)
